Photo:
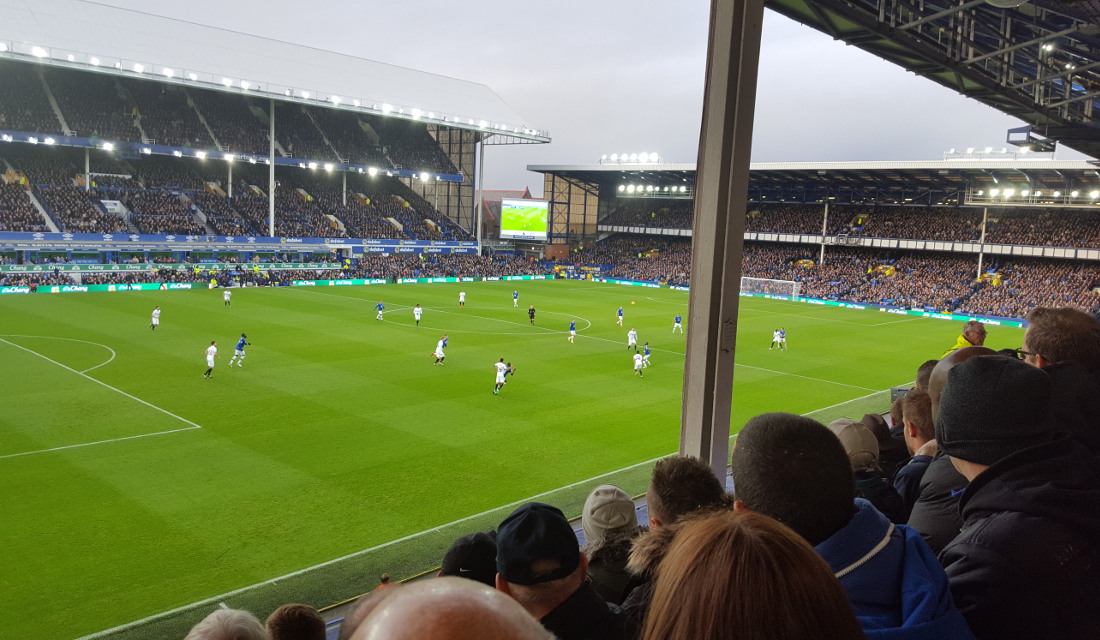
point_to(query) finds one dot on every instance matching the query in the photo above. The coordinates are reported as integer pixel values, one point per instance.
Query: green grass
(338, 436)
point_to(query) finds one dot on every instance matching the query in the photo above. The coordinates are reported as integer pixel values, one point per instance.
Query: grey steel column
(721, 191)
(229, 178)
(824, 233)
(271, 173)
(478, 192)
(87, 171)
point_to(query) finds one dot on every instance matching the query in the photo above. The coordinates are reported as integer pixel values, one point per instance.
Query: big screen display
(524, 219)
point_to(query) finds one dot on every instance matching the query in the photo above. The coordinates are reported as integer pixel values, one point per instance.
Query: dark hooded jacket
(1076, 402)
(1027, 562)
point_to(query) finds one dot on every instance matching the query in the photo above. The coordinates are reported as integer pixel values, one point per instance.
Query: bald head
(449, 608)
(938, 380)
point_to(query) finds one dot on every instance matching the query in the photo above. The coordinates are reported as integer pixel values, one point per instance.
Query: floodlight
(431, 115)
(335, 99)
(49, 141)
(622, 187)
(312, 165)
(39, 52)
(470, 121)
(305, 94)
(139, 68)
(614, 157)
(423, 176)
(287, 92)
(643, 157)
(356, 102)
(386, 107)
(251, 161)
(32, 140)
(70, 58)
(201, 155)
(108, 146)
(3, 47)
(118, 65)
(146, 150)
(1074, 193)
(633, 157)
(1024, 150)
(630, 188)
(1025, 193)
(482, 124)
(329, 166)
(1094, 194)
(683, 189)
(1009, 193)
(193, 76)
(5, 138)
(245, 84)
(178, 154)
(228, 82)
(1038, 194)
(1057, 194)
(994, 192)
(1048, 47)
(389, 174)
(229, 157)
(372, 171)
(301, 165)
(168, 73)
(416, 113)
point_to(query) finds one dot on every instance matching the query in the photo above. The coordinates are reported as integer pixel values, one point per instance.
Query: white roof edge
(63, 28)
(993, 163)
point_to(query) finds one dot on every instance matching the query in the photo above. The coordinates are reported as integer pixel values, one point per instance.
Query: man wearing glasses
(973, 335)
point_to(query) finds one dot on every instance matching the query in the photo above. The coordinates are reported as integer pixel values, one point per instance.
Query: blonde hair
(228, 624)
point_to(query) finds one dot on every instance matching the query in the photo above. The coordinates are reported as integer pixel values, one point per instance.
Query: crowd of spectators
(410, 146)
(299, 134)
(75, 210)
(166, 115)
(651, 213)
(16, 211)
(161, 212)
(159, 172)
(1045, 228)
(94, 105)
(347, 135)
(27, 109)
(232, 121)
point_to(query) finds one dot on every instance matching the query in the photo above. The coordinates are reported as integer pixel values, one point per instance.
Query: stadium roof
(91, 36)
(1038, 61)
(814, 179)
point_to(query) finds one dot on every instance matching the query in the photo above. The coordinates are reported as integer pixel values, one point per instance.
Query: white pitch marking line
(99, 382)
(109, 360)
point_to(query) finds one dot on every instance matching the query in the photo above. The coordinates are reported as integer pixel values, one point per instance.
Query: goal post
(785, 288)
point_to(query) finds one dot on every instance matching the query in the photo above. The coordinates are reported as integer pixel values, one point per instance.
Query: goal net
(785, 288)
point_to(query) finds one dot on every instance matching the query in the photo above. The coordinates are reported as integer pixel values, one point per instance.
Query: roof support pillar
(721, 191)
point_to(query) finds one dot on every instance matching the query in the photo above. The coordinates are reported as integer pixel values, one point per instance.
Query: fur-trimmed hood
(650, 547)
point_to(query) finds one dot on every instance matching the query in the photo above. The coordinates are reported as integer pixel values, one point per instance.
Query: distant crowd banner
(145, 267)
(164, 286)
(86, 288)
(477, 279)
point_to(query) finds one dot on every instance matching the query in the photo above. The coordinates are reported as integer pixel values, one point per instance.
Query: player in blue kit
(238, 354)
(620, 320)
(645, 355)
(677, 324)
(515, 299)
(380, 307)
(572, 330)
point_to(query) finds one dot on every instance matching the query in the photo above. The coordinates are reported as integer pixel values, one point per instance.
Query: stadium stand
(94, 105)
(166, 115)
(29, 108)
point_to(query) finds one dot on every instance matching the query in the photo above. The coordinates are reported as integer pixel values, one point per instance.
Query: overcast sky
(609, 76)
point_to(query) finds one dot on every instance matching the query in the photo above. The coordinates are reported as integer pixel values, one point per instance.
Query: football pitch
(133, 487)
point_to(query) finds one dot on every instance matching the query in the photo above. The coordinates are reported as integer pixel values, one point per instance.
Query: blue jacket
(895, 584)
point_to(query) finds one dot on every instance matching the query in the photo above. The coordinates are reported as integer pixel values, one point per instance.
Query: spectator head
(1062, 334)
(680, 485)
(228, 624)
(296, 622)
(992, 407)
(363, 608)
(938, 380)
(795, 470)
(858, 442)
(473, 556)
(746, 575)
(916, 410)
(539, 562)
(896, 410)
(608, 511)
(449, 608)
(923, 373)
(974, 333)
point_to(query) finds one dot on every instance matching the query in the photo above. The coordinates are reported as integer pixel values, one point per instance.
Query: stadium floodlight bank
(786, 288)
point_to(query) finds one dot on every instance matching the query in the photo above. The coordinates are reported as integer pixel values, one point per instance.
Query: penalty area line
(116, 390)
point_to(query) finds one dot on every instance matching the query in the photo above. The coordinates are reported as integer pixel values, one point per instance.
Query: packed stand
(410, 146)
(1044, 228)
(924, 223)
(299, 134)
(52, 168)
(93, 105)
(75, 210)
(27, 109)
(651, 213)
(784, 218)
(346, 133)
(156, 172)
(221, 217)
(161, 212)
(16, 211)
(166, 117)
(1018, 284)
(232, 121)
